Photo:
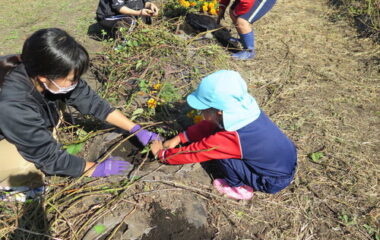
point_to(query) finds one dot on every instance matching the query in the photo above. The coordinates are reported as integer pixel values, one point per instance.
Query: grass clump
(365, 14)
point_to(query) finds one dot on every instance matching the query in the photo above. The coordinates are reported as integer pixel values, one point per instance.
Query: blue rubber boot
(248, 41)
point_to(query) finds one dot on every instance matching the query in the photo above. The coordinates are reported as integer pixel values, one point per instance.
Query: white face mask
(61, 90)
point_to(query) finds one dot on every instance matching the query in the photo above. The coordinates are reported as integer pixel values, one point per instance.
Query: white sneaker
(21, 194)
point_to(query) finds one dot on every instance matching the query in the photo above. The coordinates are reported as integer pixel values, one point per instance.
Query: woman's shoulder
(16, 85)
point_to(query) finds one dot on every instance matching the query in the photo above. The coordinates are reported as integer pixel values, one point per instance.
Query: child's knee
(274, 185)
(241, 23)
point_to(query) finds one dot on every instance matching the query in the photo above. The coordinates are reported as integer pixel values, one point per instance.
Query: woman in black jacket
(31, 85)
(111, 14)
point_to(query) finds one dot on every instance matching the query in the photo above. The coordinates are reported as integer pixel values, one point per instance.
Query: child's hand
(146, 12)
(172, 143)
(152, 7)
(155, 147)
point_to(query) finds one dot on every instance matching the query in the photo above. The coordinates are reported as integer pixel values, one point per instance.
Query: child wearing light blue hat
(252, 152)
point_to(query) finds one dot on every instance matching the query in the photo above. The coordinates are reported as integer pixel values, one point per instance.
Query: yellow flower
(213, 11)
(211, 5)
(197, 119)
(152, 103)
(186, 4)
(204, 8)
(157, 86)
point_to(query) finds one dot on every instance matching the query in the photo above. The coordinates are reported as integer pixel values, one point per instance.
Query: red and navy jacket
(261, 144)
(240, 6)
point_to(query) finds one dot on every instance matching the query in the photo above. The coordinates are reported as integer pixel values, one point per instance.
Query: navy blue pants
(258, 10)
(237, 173)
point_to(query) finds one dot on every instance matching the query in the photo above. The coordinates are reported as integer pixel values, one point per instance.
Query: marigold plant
(207, 6)
(157, 86)
(152, 103)
(195, 116)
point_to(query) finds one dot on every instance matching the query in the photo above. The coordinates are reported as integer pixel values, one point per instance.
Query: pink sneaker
(240, 193)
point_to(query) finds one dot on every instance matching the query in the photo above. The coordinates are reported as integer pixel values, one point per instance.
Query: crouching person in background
(113, 14)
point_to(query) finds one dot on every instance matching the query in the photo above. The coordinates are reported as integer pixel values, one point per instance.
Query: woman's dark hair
(7, 64)
(51, 53)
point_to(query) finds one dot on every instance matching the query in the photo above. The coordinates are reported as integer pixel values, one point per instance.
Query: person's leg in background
(242, 23)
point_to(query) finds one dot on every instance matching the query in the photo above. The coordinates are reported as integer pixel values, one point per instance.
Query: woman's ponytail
(7, 64)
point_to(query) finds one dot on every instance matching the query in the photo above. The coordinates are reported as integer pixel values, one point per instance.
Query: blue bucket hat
(226, 90)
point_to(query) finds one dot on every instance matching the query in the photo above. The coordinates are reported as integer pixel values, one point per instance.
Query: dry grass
(365, 14)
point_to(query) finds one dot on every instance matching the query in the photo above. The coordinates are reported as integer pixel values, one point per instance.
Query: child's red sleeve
(243, 7)
(220, 145)
(198, 131)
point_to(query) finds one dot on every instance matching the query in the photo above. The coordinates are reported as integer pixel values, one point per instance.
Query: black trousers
(112, 25)
(129, 22)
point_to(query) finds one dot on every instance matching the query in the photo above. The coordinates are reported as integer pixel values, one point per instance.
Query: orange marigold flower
(152, 103)
(211, 5)
(197, 119)
(193, 4)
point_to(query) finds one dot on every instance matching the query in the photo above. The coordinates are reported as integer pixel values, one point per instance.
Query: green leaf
(139, 64)
(81, 133)
(145, 150)
(239, 214)
(136, 113)
(100, 228)
(315, 157)
(129, 43)
(74, 148)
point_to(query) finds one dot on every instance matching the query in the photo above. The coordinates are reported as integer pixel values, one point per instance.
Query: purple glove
(112, 166)
(144, 136)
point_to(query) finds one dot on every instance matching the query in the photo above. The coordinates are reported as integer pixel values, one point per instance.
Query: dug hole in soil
(161, 211)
